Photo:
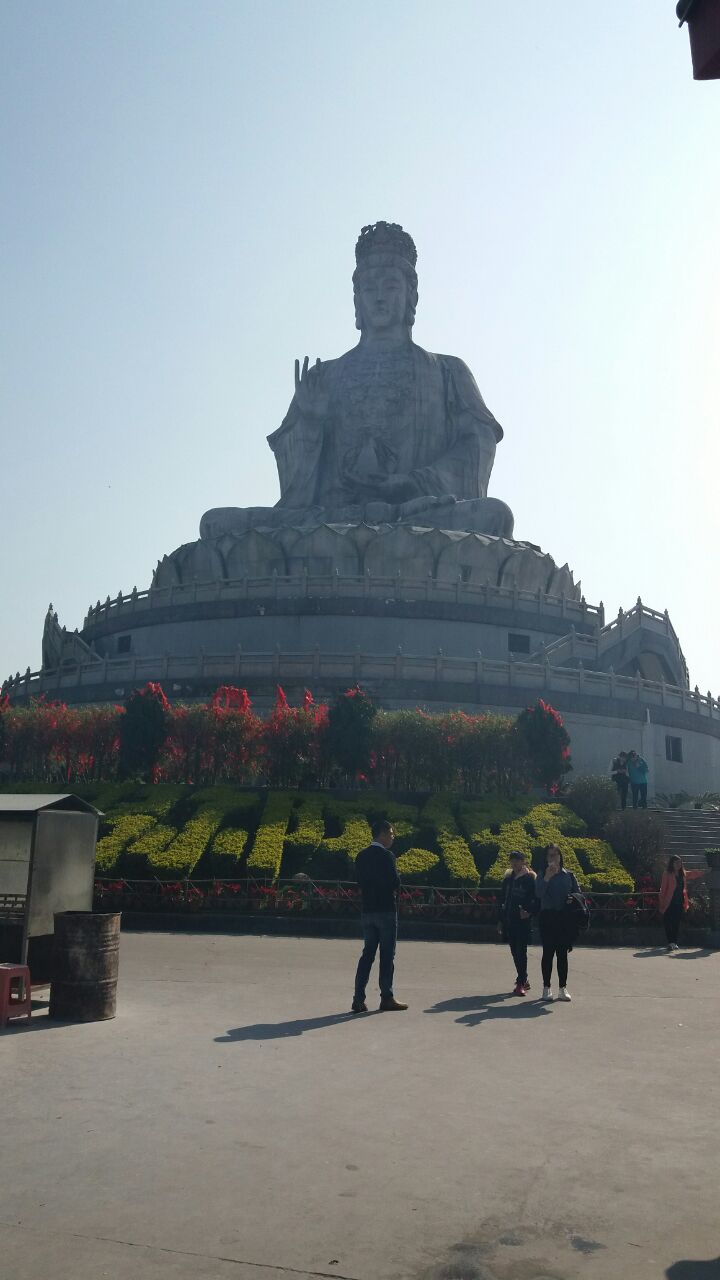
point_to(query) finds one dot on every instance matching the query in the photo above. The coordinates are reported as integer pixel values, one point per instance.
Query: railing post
(601, 614)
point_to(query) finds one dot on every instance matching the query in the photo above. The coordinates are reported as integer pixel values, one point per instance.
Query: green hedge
(170, 832)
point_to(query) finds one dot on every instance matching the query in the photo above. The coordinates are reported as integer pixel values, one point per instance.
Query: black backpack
(577, 911)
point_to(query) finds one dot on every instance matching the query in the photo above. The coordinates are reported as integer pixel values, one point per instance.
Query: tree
(143, 730)
(546, 742)
(348, 738)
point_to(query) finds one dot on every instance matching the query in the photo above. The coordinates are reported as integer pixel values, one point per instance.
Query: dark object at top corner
(683, 9)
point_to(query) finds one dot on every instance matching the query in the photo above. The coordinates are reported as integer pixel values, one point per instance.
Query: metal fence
(339, 898)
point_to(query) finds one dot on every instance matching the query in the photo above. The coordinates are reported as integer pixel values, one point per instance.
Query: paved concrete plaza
(234, 1123)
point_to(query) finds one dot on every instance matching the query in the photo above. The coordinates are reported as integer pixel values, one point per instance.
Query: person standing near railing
(619, 775)
(518, 904)
(553, 888)
(638, 772)
(673, 898)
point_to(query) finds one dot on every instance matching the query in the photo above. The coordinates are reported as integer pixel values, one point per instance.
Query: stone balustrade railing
(294, 586)
(122, 674)
(640, 615)
(579, 645)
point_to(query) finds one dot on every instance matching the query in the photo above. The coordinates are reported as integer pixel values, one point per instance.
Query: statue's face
(382, 297)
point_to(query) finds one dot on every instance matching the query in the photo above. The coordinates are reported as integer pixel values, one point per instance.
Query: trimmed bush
(638, 840)
(265, 858)
(595, 800)
(143, 730)
(454, 849)
(546, 743)
(123, 828)
(416, 864)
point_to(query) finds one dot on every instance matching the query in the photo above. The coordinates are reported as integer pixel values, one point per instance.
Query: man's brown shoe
(359, 1008)
(389, 1003)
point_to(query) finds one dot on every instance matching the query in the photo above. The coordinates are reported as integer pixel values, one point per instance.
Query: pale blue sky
(182, 187)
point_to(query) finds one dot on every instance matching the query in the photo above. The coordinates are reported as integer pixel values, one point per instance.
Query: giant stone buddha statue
(388, 432)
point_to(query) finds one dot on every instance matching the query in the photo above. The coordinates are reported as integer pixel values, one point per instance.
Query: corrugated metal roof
(16, 803)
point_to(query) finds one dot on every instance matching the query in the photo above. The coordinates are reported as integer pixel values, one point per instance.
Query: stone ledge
(331, 606)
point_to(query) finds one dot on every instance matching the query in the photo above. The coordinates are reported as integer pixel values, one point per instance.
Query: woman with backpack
(518, 904)
(554, 888)
(673, 898)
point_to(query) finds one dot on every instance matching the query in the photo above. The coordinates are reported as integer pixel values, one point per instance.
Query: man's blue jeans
(379, 930)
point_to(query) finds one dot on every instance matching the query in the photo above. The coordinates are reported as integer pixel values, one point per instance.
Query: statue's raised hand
(311, 398)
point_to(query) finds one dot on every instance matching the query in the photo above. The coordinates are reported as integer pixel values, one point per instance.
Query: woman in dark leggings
(553, 888)
(518, 904)
(673, 898)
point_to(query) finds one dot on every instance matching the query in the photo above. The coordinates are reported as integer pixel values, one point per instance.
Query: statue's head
(385, 283)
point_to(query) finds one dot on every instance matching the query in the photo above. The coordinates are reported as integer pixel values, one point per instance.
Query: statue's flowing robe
(420, 415)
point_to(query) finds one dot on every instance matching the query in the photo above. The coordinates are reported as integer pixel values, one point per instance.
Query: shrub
(673, 799)
(603, 871)
(123, 828)
(348, 739)
(592, 861)
(595, 800)
(638, 840)
(416, 864)
(266, 855)
(143, 730)
(181, 856)
(293, 742)
(454, 849)
(546, 743)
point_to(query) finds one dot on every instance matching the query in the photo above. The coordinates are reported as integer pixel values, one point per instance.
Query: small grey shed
(47, 864)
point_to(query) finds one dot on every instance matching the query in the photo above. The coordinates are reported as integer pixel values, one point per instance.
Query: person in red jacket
(673, 898)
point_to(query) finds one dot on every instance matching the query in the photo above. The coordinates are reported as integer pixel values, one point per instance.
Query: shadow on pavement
(478, 1009)
(699, 953)
(280, 1030)
(687, 1270)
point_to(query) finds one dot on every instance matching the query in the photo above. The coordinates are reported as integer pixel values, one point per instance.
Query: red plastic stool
(14, 1005)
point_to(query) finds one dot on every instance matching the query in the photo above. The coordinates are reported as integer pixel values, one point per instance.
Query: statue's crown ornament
(387, 239)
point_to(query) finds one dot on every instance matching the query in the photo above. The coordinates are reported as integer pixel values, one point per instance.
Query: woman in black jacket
(518, 903)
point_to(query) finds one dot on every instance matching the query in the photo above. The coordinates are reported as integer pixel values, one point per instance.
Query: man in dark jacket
(376, 873)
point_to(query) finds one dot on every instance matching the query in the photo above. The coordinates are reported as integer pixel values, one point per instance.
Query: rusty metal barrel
(86, 952)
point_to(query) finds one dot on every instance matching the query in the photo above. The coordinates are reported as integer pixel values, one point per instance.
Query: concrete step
(689, 832)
